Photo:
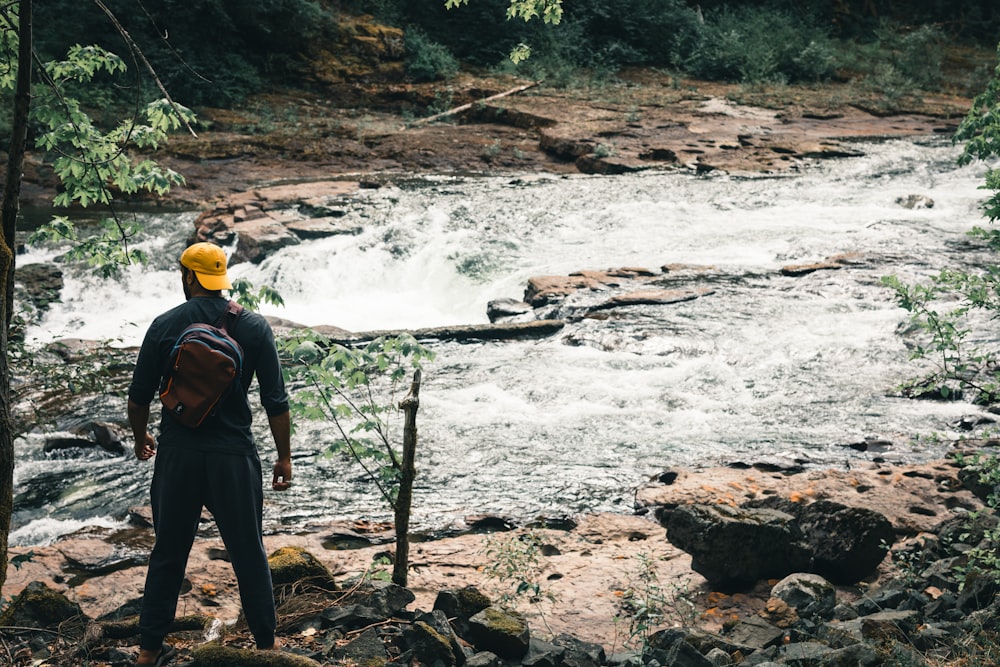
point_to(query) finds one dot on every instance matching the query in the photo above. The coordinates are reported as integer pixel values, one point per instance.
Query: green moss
(510, 623)
(39, 606)
(472, 600)
(292, 564)
(217, 655)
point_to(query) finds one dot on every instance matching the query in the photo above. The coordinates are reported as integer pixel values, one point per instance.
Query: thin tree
(10, 208)
(92, 166)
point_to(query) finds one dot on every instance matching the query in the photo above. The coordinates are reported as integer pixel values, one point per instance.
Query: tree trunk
(408, 472)
(9, 211)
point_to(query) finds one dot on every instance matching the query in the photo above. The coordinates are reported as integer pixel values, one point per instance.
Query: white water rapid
(767, 367)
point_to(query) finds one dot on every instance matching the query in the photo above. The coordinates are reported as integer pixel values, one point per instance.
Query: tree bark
(9, 211)
(408, 473)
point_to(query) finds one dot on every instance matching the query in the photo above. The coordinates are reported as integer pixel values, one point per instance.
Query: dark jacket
(229, 429)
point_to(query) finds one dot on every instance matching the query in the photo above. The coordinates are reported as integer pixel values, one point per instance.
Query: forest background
(218, 52)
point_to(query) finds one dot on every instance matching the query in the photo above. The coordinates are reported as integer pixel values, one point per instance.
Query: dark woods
(216, 52)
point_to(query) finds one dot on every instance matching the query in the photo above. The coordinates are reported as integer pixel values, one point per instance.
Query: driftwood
(407, 473)
(466, 107)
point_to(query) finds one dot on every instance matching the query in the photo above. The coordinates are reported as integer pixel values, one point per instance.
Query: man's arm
(138, 419)
(281, 431)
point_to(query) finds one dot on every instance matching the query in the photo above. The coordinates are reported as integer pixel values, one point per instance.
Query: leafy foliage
(357, 391)
(981, 133)
(94, 165)
(250, 297)
(983, 554)
(958, 365)
(646, 603)
(426, 60)
(514, 565)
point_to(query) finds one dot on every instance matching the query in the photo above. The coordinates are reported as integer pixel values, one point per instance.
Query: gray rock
(811, 595)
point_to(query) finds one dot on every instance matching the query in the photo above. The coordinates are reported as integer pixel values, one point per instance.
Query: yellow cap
(208, 261)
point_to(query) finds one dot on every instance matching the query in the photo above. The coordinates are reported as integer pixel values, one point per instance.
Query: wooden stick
(466, 107)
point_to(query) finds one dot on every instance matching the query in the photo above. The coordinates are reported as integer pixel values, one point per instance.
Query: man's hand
(282, 478)
(145, 448)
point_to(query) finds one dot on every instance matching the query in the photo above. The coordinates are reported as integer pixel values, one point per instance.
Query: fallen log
(466, 107)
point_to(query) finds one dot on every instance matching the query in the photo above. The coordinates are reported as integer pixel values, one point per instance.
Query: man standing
(214, 465)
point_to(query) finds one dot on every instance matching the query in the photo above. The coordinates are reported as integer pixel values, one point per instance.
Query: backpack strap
(230, 317)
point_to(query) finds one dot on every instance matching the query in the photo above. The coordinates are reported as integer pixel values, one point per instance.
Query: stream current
(764, 368)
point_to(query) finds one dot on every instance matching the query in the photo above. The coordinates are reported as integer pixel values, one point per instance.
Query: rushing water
(766, 367)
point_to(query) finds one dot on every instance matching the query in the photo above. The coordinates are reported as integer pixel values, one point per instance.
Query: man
(214, 465)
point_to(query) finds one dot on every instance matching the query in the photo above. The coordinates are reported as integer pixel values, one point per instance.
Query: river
(766, 367)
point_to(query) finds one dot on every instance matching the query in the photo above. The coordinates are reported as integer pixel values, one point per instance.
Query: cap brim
(213, 283)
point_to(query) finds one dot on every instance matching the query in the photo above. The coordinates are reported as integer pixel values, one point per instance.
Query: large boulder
(38, 606)
(733, 547)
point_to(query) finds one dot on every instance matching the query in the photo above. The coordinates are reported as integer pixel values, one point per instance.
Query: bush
(755, 45)
(426, 60)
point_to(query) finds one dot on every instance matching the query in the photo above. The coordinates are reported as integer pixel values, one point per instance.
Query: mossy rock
(499, 631)
(39, 606)
(217, 655)
(293, 564)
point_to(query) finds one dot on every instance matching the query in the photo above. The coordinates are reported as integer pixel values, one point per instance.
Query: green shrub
(426, 60)
(759, 44)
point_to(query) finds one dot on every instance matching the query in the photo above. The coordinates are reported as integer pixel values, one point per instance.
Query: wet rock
(74, 350)
(259, 238)
(542, 290)
(95, 433)
(41, 284)
(504, 309)
(90, 557)
(609, 165)
(651, 297)
(796, 270)
(915, 201)
(57, 443)
(318, 228)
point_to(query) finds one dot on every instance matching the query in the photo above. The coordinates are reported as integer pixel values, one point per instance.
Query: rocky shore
(616, 587)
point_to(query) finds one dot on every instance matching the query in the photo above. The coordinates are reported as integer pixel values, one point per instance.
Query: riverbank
(583, 565)
(641, 120)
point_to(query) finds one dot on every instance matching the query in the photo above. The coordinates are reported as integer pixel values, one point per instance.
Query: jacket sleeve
(148, 368)
(273, 396)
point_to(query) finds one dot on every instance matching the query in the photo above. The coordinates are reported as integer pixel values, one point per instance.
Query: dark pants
(229, 486)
